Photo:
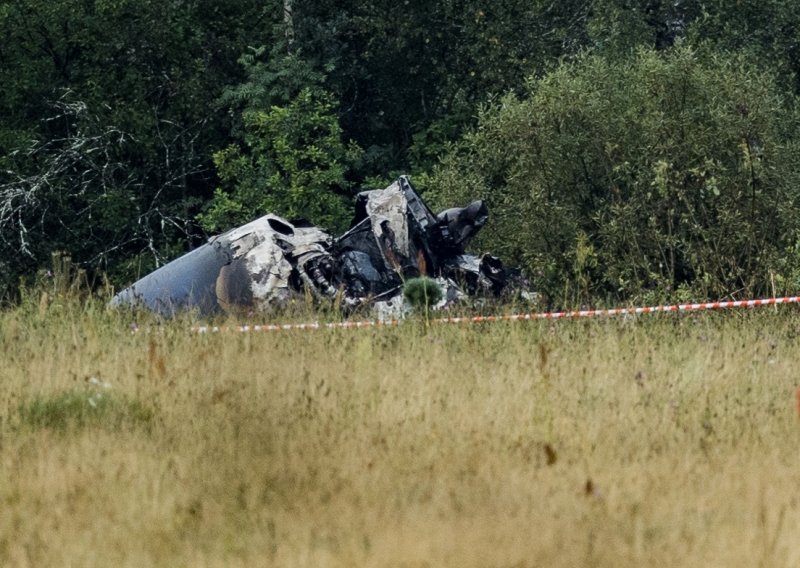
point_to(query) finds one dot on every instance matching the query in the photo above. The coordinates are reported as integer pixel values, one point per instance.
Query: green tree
(409, 75)
(110, 103)
(617, 27)
(768, 30)
(293, 162)
(669, 170)
(402, 80)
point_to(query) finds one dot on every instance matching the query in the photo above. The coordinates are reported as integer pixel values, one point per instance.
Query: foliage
(106, 125)
(273, 79)
(409, 74)
(618, 28)
(80, 195)
(767, 29)
(293, 163)
(637, 176)
(119, 107)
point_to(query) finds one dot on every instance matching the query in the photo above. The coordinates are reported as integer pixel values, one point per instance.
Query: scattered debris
(394, 236)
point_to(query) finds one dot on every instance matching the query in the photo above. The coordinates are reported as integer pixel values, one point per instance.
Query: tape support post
(674, 308)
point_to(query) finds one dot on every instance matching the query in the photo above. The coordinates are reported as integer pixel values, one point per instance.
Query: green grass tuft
(79, 408)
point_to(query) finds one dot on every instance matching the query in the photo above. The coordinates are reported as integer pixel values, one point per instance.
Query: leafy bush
(662, 173)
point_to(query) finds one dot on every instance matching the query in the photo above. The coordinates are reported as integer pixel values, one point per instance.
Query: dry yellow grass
(664, 441)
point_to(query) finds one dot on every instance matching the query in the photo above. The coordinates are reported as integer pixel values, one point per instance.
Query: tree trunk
(288, 22)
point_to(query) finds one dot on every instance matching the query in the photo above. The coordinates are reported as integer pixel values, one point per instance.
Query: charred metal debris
(394, 236)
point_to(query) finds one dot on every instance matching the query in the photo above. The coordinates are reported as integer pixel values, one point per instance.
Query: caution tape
(298, 326)
(674, 308)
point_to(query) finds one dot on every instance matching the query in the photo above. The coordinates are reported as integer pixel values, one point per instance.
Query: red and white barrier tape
(511, 317)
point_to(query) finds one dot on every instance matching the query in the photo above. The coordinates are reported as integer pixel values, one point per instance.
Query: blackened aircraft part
(386, 242)
(476, 275)
(463, 223)
(394, 236)
(260, 263)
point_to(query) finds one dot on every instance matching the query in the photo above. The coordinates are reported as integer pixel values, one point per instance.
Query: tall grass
(665, 440)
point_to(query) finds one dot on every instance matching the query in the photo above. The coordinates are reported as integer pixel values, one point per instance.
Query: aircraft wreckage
(394, 236)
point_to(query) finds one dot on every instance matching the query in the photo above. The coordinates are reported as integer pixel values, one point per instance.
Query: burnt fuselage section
(394, 236)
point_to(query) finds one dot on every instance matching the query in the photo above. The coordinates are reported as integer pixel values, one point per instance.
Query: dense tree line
(627, 148)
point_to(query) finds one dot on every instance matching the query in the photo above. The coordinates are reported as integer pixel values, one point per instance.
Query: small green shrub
(78, 408)
(422, 293)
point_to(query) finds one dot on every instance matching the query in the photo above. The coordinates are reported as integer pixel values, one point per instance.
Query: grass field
(658, 441)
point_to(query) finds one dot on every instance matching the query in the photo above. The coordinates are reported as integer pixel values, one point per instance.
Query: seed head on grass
(422, 293)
